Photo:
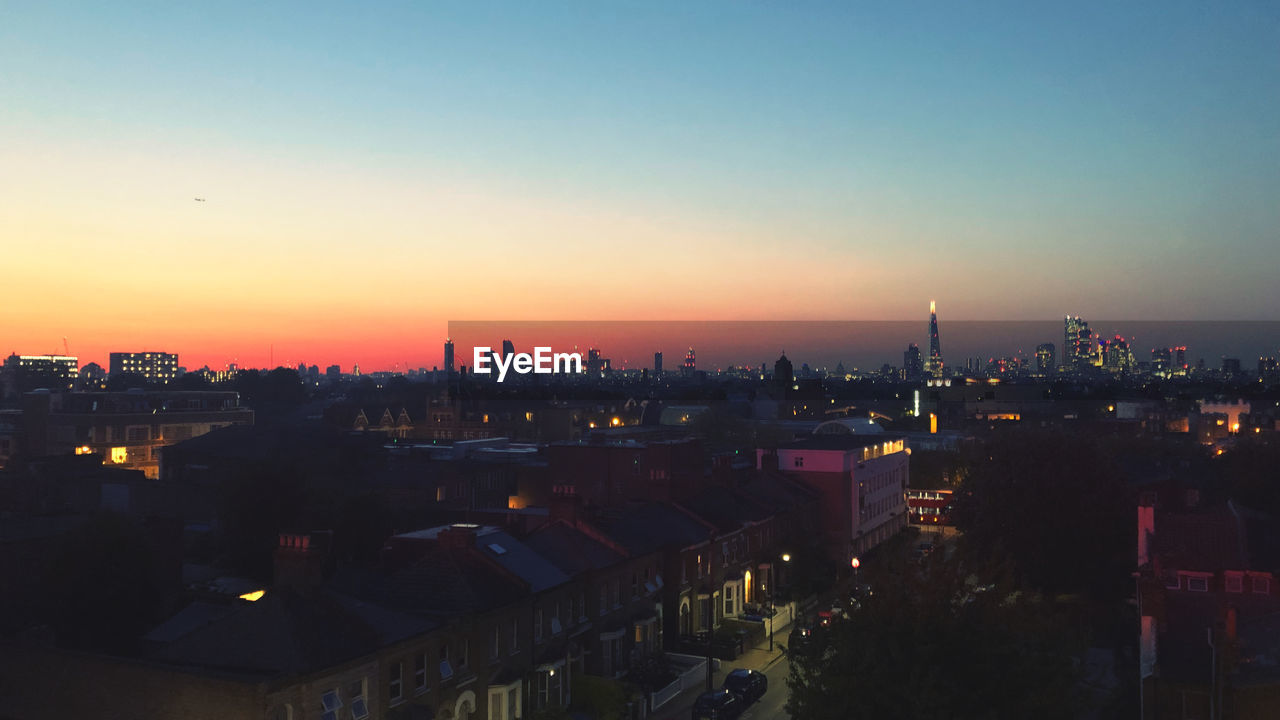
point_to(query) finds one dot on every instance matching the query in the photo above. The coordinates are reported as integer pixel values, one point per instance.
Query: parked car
(718, 705)
(750, 685)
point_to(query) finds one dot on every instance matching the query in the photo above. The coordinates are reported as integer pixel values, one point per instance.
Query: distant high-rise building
(29, 372)
(1180, 360)
(1117, 358)
(1161, 361)
(448, 355)
(1046, 360)
(1231, 367)
(333, 372)
(657, 363)
(934, 364)
(690, 364)
(1268, 370)
(913, 363)
(782, 372)
(508, 348)
(1078, 344)
(153, 366)
(595, 366)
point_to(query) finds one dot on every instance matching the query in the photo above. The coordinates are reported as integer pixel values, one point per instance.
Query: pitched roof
(572, 550)
(288, 633)
(650, 527)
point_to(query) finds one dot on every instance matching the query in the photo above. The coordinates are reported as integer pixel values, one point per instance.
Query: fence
(694, 675)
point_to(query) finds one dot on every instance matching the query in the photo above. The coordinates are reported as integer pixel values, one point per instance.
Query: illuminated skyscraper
(448, 355)
(1077, 344)
(690, 364)
(1117, 358)
(933, 366)
(1046, 361)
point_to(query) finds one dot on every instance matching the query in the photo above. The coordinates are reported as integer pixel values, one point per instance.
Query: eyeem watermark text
(541, 362)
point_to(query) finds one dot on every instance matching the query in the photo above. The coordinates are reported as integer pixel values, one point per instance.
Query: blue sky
(1015, 160)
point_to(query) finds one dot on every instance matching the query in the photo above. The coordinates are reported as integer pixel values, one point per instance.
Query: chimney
(458, 536)
(565, 505)
(300, 560)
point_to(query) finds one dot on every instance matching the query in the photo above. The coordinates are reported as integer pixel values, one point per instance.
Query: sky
(371, 172)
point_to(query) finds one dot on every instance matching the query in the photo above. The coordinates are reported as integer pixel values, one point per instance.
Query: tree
(944, 641)
(1056, 504)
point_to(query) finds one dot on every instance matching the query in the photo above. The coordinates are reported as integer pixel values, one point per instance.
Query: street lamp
(855, 563)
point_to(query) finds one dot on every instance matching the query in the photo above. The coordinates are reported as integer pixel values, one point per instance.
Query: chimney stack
(300, 560)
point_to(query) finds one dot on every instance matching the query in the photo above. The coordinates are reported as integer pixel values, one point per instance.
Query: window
(604, 597)
(1197, 584)
(728, 600)
(1172, 581)
(395, 687)
(464, 652)
(420, 672)
(515, 635)
(1234, 582)
(495, 643)
(799, 461)
(359, 706)
(635, 584)
(537, 625)
(582, 606)
(617, 592)
(699, 567)
(556, 627)
(1261, 584)
(446, 670)
(331, 703)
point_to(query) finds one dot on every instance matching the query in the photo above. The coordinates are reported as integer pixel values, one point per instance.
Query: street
(769, 707)
(773, 704)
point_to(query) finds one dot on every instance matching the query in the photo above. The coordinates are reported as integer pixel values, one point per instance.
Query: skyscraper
(508, 348)
(448, 355)
(657, 363)
(912, 362)
(1077, 344)
(934, 365)
(690, 364)
(1045, 359)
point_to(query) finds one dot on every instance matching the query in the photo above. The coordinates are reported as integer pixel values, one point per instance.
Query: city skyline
(865, 345)
(366, 176)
